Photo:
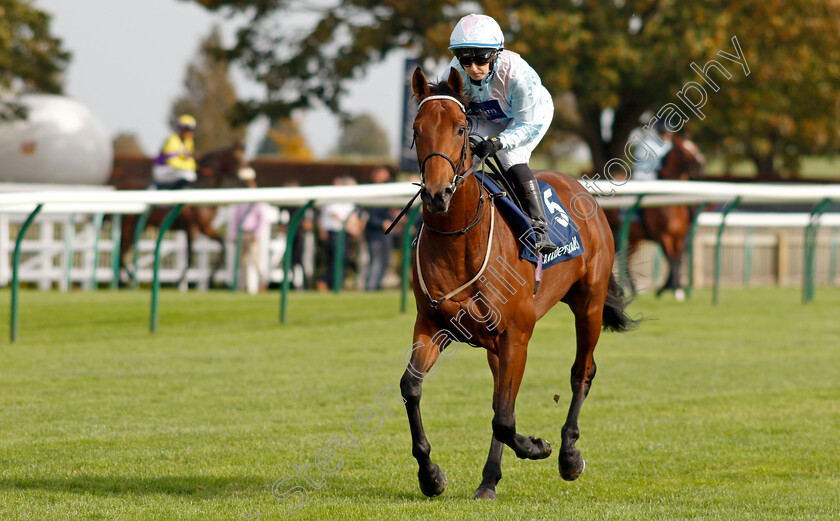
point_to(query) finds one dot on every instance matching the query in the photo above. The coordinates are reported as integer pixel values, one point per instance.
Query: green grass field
(728, 413)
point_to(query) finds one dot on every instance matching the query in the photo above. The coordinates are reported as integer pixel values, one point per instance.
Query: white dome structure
(61, 142)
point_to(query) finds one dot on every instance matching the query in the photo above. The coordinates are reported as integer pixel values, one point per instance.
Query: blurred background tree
(362, 136)
(613, 61)
(210, 96)
(284, 140)
(31, 59)
(125, 143)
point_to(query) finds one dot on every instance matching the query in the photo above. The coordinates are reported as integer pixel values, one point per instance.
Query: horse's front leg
(424, 354)
(492, 473)
(513, 347)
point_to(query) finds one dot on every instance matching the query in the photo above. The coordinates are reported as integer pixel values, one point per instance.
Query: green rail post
(406, 258)
(623, 242)
(170, 218)
(287, 257)
(748, 253)
(13, 327)
(139, 226)
(116, 240)
(234, 286)
(724, 213)
(658, 252)
(810, 251)
(690, 251)
(338, 262)
(97, 229)
(69, 237)
(832, 257)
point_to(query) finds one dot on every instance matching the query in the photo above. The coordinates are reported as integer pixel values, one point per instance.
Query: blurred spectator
(377, 221)
(334, 218)
(255, 224)
(300, 265)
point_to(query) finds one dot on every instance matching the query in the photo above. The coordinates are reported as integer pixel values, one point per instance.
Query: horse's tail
(615, 309)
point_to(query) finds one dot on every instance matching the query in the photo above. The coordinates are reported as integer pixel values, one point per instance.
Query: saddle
(562, 229)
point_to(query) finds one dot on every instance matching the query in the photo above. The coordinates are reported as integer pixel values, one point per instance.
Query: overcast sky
(130, 59)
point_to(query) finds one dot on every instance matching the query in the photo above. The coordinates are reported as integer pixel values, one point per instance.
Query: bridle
(456, 169)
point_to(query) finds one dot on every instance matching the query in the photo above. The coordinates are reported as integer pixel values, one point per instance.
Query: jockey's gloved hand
(487, 147)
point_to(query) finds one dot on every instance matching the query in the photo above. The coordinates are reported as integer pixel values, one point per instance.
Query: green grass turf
(728, 412)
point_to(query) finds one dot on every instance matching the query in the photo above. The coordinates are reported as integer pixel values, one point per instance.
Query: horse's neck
(467, 249)
(675, 166)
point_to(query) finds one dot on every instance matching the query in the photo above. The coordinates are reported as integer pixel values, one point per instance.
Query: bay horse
(667, 226)
(216, 169)
(455, 301)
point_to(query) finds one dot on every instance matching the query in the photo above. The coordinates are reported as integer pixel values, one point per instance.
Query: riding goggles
(468, 55)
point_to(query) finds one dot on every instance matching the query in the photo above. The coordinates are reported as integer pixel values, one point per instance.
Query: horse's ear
(455, 82)
(419, 84)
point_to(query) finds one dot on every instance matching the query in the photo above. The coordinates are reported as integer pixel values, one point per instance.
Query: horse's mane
(219, 153)
(442, 88)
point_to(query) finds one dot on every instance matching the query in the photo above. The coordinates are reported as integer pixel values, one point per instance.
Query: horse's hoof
(543, 448)
(571, 467)
(679, 294)
(434, 484)
(485, 493)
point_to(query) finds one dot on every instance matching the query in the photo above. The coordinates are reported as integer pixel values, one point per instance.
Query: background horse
(667, 226)
(461, 298)
(216, 169)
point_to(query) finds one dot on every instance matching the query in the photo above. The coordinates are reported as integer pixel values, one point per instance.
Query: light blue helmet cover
(477, 30)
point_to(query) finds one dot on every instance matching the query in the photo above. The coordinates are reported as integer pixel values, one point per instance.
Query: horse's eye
(461, 131)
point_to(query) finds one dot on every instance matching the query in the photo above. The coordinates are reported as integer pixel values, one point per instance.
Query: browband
(450, 98)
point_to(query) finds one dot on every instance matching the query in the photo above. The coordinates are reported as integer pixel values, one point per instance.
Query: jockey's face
(476, 61)
(477, 72)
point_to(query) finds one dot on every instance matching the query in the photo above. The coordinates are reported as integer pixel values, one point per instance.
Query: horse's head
(441, 136)
(220, 167)
(681, 162)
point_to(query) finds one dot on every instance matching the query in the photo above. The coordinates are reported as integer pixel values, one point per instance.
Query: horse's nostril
(448, 191)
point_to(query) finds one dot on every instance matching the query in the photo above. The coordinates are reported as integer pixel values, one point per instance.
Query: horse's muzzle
(437, 202)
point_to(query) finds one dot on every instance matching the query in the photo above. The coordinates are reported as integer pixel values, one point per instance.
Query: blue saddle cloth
(561, 228)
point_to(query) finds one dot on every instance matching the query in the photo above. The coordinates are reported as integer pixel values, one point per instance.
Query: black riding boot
(531, 197)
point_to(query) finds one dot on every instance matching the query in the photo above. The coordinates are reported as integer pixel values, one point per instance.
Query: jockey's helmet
(476, 31)
(186, 122)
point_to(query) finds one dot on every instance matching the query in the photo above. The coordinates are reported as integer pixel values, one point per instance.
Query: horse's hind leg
(588, 313)
(493, 467)
(183, 276)
(424, 354)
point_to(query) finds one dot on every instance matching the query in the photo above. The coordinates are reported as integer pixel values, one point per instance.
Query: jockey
(175, 166)
(510, 109)
(657, 149)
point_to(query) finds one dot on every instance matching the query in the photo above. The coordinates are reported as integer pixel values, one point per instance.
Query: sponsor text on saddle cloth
(561, 228)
